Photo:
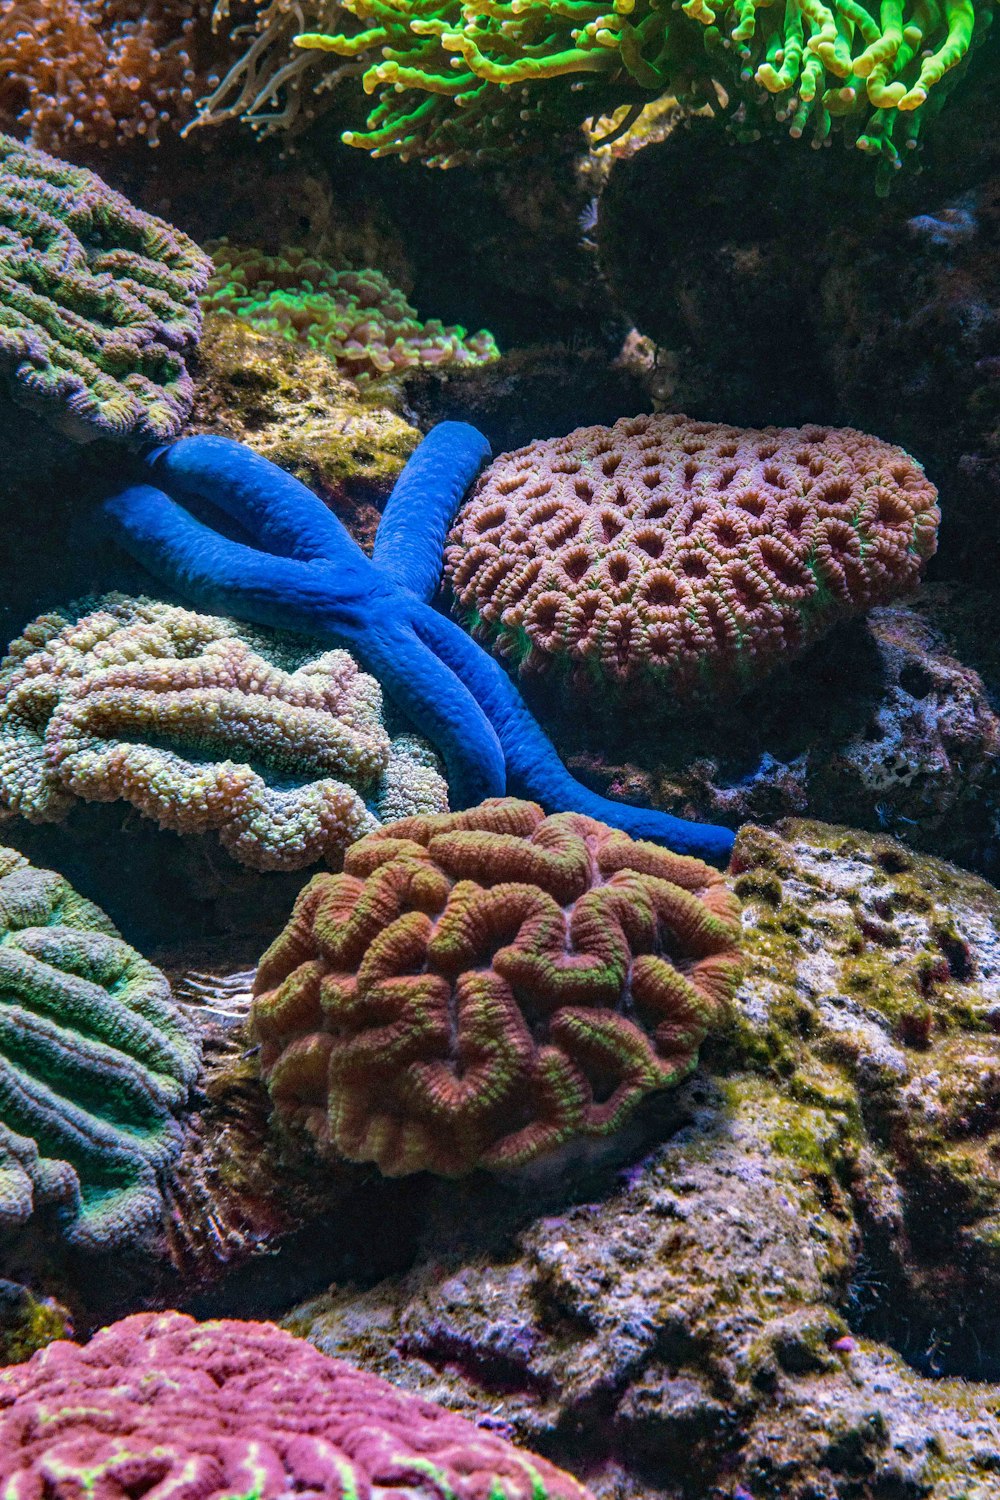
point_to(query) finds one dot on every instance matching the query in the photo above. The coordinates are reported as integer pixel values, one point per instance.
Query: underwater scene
(499, 750)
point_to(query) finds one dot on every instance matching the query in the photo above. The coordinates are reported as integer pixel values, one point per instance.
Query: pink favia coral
(687, 553)
(481, 987)
(158, 1404)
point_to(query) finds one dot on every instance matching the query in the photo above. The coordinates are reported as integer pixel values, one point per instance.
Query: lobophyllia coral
(82, 73)
(98, 302)
(481, 987)
(357, 318)
(667, 552)
(95, 1062)
(182, 716)
(460, 79)
(159, 1403)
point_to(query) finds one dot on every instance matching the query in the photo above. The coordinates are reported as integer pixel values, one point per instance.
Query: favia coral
(81, 73)
(457, 79)
(95, 1062)
(357, 318)
(98, 302)
(690, 555)
(482, 987)
(159, 1402)
(182, 716)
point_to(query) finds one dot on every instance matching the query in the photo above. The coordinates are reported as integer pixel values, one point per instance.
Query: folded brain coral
(357, 318)
(688, 554)
(95, 1062)
(481, 987)
(181, 715)
(98, 301)
(159, 1403)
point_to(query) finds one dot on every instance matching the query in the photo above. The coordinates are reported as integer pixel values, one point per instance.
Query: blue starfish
(305, 572)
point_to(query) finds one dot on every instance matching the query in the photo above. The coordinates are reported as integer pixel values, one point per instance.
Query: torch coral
(357, 318)
(479, 988)
(148, 703)
(159, 1403)
(98, 301)
(453, 77)
(95, 1061)
(685, 554)
(97, 72)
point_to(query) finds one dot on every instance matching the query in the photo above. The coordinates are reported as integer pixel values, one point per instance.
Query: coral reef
(309, 575)
(98, 302)
(233, 1406)
(97, 72)
(28, 1322)
(357, 318)
(687, 1332)
(96, 1061)
(453, 78)
(481, 988)
(668, 553)
(174, 712)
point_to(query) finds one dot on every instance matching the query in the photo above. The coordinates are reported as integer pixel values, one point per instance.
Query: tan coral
(682, 552)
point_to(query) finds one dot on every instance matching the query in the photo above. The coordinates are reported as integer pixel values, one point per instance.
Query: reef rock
(755, 1310)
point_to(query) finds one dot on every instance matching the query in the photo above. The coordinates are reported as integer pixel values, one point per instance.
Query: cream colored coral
(183, 716)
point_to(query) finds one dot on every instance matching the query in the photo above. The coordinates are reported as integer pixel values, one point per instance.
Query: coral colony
(413, 750)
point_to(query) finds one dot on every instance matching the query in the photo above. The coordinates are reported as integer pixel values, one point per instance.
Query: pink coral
(158, 1403)
(686, 553)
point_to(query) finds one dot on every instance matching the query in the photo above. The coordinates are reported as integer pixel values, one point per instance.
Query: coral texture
(225, 1408)
(183, 717)
(480, 988)
(98, 301)
(449, 76)
(95, 1061)
(841, 1163)
(97, 72)
(308, 574)
(688, 553)
(357, 318)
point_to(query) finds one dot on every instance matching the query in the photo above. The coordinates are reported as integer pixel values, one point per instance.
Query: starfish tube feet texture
(299, 569)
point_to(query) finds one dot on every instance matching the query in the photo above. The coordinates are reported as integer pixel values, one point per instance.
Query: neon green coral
(457, 78)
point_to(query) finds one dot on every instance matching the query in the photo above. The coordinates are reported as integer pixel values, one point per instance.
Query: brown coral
(98, 72)
(687, 552)
(480, 987)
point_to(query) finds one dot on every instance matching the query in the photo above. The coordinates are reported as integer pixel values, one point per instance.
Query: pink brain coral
(159, 1404)
(689, 553)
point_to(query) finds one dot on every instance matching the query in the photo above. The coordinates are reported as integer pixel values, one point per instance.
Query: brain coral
(159, 1404)
(98, 301)
(357, 318)
(181, 715)
(95, 1061)
(685, 554)
(480, 987)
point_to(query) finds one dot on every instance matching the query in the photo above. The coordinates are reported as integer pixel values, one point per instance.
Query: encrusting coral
(482, 987)
(81, 73)
(182, 716)
(98, 302)
(461, 79)
(306, 573)
(158, 1401)
(356, 317)
(667, 552)
(95, 1062)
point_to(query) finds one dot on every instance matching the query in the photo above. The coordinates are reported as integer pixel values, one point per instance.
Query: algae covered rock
(751, 1311)
(96, 1063)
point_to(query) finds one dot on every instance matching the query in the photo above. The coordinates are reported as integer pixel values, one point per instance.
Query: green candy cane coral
(457, 80)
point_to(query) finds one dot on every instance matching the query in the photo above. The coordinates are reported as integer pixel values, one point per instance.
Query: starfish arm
(212, 571)
(276, 510)
(440, 707)
(409, 544)
(534, 770)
